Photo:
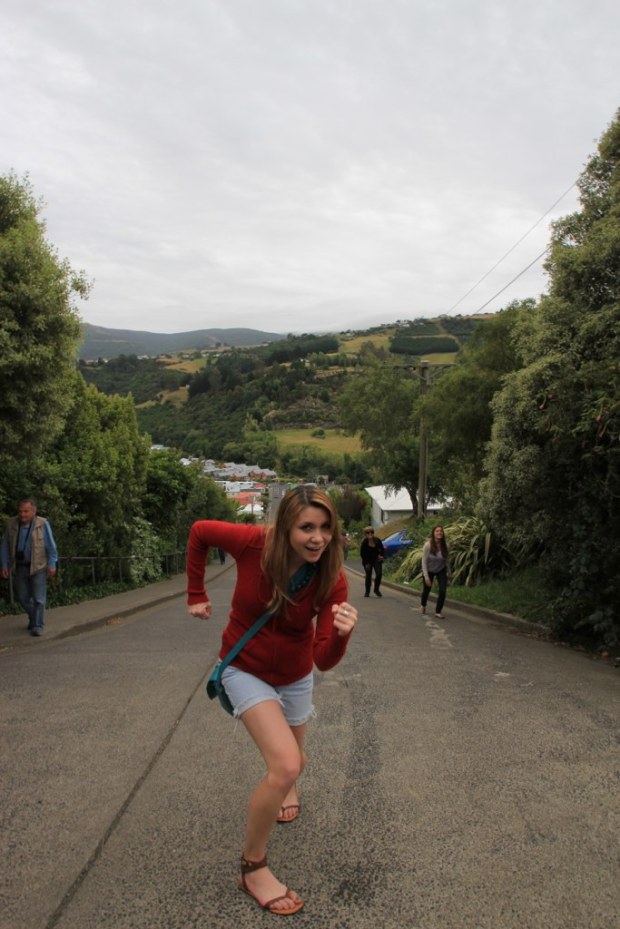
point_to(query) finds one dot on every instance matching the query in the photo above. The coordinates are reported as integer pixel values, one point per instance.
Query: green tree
(350, 504)
(206, 500)
(457, 408)
(94, 474)
(379, 404)
(168, 485)
(255, 446)
(554, 461)
(39, 326)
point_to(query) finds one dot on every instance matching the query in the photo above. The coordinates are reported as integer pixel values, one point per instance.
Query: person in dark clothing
(372, 554)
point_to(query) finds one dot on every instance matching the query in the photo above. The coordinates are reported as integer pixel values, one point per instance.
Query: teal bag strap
(232, 654)
(298, 581)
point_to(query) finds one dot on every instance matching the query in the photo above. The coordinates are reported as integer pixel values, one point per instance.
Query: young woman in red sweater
(269, 683)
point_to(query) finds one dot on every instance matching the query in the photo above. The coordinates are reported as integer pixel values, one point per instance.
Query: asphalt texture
(463, 774)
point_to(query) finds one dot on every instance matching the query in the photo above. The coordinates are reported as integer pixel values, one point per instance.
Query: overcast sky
(302, 165)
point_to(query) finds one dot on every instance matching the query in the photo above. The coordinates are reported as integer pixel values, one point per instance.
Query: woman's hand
(345, 618)
(428, 582)
(200, 610)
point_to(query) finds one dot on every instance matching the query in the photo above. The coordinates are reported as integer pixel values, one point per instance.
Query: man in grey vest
(28, 552)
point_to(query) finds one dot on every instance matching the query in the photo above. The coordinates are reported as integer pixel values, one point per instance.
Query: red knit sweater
(287, 647)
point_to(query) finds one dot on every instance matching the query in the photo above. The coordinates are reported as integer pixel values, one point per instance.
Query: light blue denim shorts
(245, 691)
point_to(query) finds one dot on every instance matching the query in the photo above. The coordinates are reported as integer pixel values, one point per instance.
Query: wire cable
(512, 281)
(510, 250)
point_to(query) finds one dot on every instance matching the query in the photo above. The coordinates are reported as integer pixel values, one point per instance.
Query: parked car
(396, 542)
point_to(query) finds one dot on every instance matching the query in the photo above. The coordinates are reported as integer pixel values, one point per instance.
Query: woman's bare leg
(292, 797)
(281, 748)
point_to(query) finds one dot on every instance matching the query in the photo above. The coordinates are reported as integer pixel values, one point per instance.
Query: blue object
(396, 542)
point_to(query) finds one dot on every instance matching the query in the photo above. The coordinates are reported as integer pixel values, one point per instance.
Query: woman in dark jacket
(372, 554)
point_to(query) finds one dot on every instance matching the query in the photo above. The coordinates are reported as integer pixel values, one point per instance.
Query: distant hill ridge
(99, 342)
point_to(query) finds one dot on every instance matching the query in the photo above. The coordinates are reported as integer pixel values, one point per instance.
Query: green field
(191, 365)
(442, 358)
(333, 441)
(353, 346)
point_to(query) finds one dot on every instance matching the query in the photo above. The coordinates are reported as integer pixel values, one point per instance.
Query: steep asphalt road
(462, 776)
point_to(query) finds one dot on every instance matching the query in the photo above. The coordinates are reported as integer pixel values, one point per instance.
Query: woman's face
(310, 535)
(438, 533)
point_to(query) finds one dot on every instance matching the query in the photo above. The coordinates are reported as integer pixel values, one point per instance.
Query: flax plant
(476, 553)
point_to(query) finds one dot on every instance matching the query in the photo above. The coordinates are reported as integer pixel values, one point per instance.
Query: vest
(38, 552)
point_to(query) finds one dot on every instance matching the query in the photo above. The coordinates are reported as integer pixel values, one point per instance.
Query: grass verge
(520, 595)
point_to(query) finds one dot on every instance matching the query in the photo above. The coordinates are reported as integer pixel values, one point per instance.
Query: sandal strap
(248, 866)
(285, 896)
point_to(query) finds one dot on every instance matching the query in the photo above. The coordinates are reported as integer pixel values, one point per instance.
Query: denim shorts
(245, 691)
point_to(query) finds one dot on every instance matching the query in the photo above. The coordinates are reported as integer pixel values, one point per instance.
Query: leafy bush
(475, 553)
(145, 545)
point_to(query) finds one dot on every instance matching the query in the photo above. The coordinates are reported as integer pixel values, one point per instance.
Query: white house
(388, 505)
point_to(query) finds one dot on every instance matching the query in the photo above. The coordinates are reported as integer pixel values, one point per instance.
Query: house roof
(246, 497)
(390, 501)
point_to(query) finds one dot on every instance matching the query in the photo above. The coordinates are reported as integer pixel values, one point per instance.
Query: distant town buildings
(233, 471)
(240, 482)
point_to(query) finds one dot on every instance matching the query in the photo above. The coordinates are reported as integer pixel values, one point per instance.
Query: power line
(498, 263)
(512, 281)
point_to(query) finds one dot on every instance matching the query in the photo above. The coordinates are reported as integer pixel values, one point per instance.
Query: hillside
(206, 405)
(99, 342)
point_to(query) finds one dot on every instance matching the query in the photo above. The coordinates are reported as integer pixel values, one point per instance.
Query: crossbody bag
(215, 688)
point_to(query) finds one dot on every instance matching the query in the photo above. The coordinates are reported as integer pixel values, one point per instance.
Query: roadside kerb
(476, 612)
(64, 621)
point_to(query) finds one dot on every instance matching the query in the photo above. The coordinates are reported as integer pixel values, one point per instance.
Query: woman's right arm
(425, 550)
(197, 550)
(206, 534)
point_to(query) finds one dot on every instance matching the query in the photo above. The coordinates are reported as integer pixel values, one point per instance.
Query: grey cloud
(302, 160)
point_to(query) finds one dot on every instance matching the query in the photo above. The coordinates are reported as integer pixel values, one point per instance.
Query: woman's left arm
(335, 623)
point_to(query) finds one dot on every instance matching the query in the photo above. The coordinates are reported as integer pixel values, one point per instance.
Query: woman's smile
(311, 534)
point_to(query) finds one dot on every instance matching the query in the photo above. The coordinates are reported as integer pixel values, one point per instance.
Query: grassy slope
(334, 441)
(519, 595)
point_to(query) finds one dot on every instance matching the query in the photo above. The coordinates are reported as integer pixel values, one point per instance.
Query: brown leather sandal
(288, 819)
(246, 868)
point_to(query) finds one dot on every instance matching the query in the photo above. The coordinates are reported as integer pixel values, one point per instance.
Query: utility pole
(424, 373)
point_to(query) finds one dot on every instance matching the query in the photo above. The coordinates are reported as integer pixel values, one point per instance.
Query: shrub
(476, 552)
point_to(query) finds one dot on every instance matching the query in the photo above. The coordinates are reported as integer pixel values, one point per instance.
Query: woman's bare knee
(283, 772)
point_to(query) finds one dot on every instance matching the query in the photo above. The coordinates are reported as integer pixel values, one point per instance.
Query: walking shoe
(378, 593)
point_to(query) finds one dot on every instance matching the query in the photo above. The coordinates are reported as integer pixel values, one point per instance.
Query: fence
(80, 570)
(115, 567)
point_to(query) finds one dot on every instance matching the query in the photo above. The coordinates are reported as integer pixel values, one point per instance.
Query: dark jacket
(370, 553)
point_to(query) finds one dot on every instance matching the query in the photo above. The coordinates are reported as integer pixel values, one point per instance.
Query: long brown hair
(276, 557)
(442, 545)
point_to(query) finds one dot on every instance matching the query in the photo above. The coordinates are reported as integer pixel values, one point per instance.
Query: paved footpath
(462, 775)
(83, 617)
